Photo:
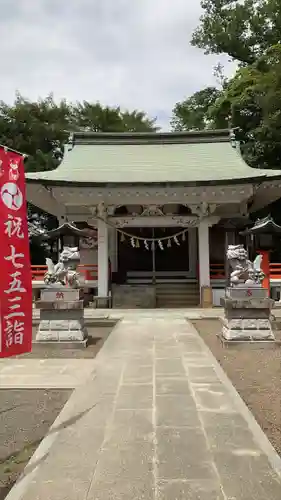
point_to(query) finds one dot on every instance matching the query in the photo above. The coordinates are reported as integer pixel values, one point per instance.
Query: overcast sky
(132, 53)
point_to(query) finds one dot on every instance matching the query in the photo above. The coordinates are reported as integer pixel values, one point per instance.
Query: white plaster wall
(89, 256)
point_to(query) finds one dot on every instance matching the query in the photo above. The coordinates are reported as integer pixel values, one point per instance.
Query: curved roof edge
(248, 180)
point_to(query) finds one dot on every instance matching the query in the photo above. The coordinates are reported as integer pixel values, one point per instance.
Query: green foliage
(40, 129)
(193, 112)
(249, 31)
(252, 100)
(243, 29)
(92, 117)
(137, 121)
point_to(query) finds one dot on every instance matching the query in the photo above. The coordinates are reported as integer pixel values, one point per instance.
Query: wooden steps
(176, 295)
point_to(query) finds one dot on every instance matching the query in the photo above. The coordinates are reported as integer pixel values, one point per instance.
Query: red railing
(217, 271)
(90, 272)
(275, 271)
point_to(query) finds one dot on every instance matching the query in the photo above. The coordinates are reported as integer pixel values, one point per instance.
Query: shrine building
(164, 207)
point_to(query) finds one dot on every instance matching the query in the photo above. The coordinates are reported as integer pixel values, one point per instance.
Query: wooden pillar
(103, 274)
(204, 264)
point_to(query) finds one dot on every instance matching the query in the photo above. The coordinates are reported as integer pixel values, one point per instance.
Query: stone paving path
(156, 420)
(44, 373)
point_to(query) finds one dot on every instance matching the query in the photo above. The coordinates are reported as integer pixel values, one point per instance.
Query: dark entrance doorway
(172, 259)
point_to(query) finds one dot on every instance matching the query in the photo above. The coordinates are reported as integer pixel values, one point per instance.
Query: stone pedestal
(247, 315)
(61, 316)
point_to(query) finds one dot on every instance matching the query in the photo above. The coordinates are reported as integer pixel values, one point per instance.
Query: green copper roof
(144, 158)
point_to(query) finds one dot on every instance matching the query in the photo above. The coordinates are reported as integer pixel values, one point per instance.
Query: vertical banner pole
(15, 276)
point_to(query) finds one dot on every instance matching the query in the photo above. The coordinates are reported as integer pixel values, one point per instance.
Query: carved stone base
(61, 320)
(254, 329)
(247, 316)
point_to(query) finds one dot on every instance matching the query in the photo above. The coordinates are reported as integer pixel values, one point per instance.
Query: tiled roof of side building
(204, 157)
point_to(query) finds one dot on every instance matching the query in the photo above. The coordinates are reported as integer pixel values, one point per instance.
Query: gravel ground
(255, 373)
(25, 418)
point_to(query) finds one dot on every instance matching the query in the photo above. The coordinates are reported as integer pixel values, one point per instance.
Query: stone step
(168, 305)
(181, 293)
(176, 286)
(172, 295)
(178, 300)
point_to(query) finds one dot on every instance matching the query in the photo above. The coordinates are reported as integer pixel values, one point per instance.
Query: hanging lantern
(160, 245)
(122, 237)
(137, 244)
(169, 244)
(176, 240)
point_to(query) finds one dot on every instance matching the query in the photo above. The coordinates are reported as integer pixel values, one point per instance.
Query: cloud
(135, 54)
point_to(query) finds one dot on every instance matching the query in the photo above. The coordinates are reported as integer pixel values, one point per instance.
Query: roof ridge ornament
(265, 225)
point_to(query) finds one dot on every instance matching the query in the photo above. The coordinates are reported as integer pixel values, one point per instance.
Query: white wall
(88, 256)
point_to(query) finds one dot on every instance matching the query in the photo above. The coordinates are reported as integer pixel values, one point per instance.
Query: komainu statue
(244, 272)
(65, 271)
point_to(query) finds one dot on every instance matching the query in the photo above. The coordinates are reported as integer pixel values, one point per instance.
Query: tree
(92, 117)
(243, 29)
(252, 100)
(137, 121)
(193, 112)
(40, 129)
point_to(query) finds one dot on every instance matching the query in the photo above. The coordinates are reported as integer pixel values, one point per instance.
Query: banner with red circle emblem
(15, 274)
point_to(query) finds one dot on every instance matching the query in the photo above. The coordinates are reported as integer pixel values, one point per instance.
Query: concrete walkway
(156, 419)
